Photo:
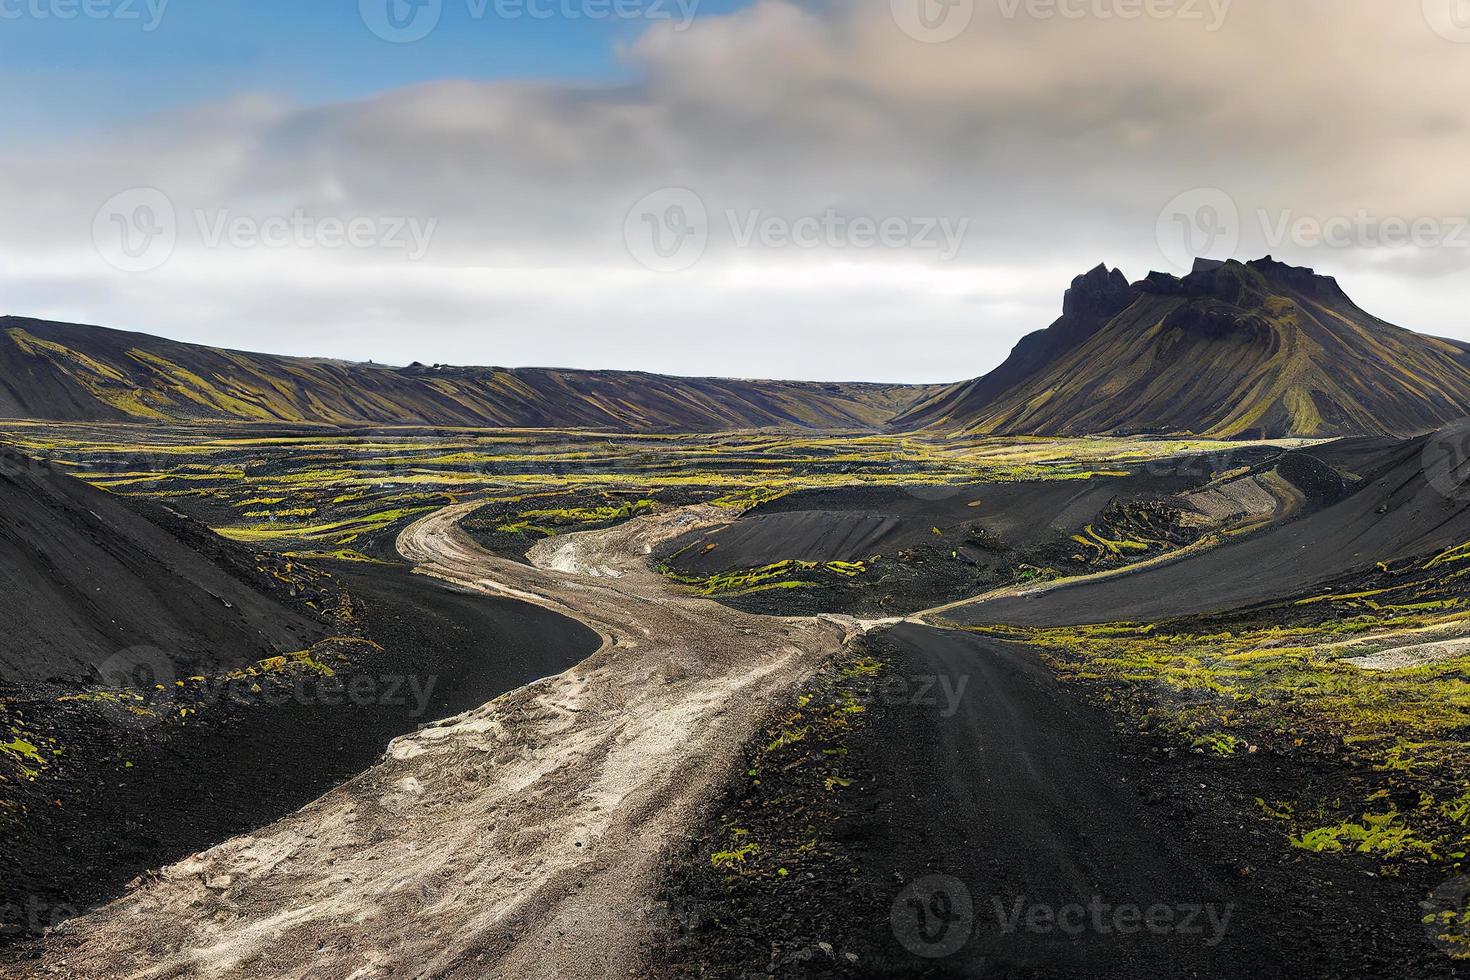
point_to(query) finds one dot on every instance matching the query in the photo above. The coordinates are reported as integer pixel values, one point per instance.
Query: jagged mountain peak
(1097, 290)
(1232, 349)
(1242, 282)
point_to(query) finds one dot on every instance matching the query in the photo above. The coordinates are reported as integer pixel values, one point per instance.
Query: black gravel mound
(852, 523)
(1395, 511)
(85, 574)
(923, 546)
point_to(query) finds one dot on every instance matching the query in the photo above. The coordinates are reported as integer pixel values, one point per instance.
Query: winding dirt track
(522, 839)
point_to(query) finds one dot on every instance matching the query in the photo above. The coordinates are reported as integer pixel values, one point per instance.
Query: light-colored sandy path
(520, 840)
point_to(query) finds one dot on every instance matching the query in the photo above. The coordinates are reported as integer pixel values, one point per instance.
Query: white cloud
(1058, 140)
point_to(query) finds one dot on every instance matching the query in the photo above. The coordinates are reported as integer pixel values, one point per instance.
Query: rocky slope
(87, 578)
(1253, 350)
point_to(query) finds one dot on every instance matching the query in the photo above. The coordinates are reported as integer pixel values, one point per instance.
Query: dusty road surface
(520, 839)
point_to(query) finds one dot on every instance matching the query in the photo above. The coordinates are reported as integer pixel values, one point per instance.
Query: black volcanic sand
(85, 574)
(96, 822)
(853, 523)
(1007, 832)
(938, 544)
(1395, 512)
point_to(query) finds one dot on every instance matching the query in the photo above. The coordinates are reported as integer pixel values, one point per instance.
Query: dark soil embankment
(85, 574)
(1395, 512)
(853, 523)
(986, 821)
(919, 547)
(121, 800)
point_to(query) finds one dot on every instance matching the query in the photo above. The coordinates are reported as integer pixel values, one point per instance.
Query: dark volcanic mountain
(87, 577)
(67, 372)
(1253, 350)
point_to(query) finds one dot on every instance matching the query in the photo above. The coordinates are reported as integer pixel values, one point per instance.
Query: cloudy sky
(858, 189)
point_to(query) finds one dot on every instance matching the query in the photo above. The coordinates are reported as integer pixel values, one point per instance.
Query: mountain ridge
(1258, 349)
(1233, 350)
(79, 373)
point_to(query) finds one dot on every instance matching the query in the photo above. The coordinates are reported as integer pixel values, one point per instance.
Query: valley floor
(1013, 787)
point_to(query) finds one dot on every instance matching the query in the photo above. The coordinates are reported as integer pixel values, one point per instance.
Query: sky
(886, 190)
